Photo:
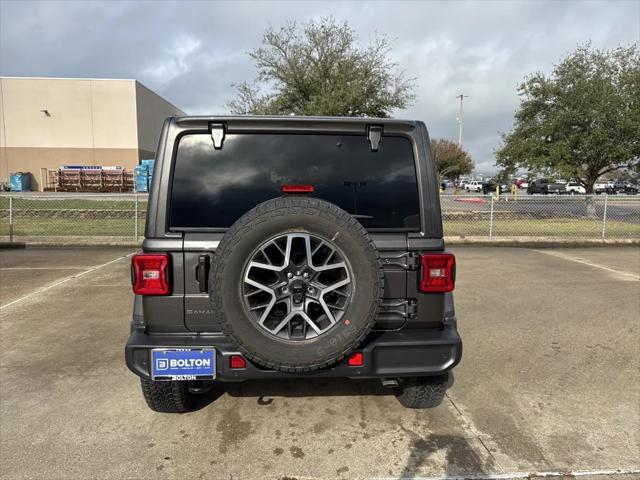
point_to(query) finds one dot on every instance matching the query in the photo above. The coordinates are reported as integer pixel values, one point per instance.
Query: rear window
(213, 188)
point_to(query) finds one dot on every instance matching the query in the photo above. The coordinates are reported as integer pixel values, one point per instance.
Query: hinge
(408, 260)
(374, 134)
(412, 308)
(218, 132)
(405, 308)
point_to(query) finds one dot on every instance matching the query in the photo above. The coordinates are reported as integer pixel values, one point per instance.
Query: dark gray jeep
(288, 247)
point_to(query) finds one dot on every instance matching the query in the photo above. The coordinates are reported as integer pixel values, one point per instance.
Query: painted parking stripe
(43, 268)
(64, 280)
(619, 274)
(532, 474)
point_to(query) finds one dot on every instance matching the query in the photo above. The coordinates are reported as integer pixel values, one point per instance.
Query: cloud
(191, 52)
(177, 61)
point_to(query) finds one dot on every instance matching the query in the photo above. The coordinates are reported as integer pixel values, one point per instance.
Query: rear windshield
(213, 188)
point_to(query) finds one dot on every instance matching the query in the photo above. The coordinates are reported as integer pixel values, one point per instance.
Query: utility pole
(461, 118)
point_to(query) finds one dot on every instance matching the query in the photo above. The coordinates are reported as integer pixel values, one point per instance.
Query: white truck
(474, 186)
(574, 188)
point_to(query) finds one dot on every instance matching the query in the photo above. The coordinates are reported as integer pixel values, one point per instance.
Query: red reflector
(356, 359)
(237, 362)
(150, 274)
(289, 188)
(438, 272)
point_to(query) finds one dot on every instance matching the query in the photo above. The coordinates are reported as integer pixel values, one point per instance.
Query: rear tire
(167, 397)
(422, 392)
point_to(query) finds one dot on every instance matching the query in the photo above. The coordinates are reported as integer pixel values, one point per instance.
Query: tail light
(438, 272)
(150, 274)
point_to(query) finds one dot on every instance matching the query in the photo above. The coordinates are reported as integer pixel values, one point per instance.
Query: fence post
(10, 219)
(135, 221)
(604, 216)
(491, 220)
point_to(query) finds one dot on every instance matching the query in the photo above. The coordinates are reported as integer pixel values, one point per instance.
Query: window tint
(213, 188)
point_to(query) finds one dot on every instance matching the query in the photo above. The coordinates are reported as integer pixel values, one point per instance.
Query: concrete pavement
(550, 381)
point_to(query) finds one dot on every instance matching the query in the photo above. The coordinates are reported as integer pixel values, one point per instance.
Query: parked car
(575, 188)
(252, 273)
(474, 186)
(625, 187)
(544, 186)
(446, 183)
(490, 187)
(604, 187)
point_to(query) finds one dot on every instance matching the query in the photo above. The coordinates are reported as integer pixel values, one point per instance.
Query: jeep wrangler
(292, 247)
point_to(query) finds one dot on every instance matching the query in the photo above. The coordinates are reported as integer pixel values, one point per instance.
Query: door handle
(202, 273)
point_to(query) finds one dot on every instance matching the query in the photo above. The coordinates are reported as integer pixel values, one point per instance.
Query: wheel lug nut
(285, 290)
(298, 273)
(289, 275)
(305, 275)
(310, 290)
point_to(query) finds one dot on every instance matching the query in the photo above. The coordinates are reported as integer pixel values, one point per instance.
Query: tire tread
(167, 397)
(422, 392)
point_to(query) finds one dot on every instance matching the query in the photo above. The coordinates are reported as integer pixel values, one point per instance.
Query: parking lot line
(44, 268)
(532, 474)
(621, 275)
(64, 280)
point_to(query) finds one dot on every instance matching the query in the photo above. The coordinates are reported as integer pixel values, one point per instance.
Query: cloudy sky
(191, 52)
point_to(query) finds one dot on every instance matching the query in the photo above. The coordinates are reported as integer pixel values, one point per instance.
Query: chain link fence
(556, 216)
(33, 217)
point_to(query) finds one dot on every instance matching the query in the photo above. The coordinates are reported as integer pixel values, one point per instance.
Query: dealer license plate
(183, 363)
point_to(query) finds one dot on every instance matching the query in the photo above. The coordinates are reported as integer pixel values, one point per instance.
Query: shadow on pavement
(311, 387)
(265, 390)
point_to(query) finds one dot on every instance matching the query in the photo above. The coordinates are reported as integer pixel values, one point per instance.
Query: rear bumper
(403, 353)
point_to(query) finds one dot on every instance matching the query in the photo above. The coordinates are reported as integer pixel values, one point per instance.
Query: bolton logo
(162, 364)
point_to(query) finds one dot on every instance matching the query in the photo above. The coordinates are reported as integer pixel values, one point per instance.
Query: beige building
(49, 122)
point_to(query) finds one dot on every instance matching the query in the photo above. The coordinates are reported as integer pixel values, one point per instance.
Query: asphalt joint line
(469, 427)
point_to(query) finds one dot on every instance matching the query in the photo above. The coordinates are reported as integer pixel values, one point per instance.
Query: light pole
(461, 118)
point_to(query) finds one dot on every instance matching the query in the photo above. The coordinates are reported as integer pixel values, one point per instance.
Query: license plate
(183, 363)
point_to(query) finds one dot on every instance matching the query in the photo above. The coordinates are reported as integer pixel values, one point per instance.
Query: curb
(523, 242)
(70, 241)
(541, 242)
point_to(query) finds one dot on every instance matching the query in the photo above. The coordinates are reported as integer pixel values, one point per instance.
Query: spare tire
(296, 284)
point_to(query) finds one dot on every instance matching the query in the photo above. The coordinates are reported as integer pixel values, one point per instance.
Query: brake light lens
(291, 188)
(438, 272)
(149, 274)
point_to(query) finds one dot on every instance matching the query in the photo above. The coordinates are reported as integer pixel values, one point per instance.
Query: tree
(582, 121)
(318, 69)
(451, 160)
